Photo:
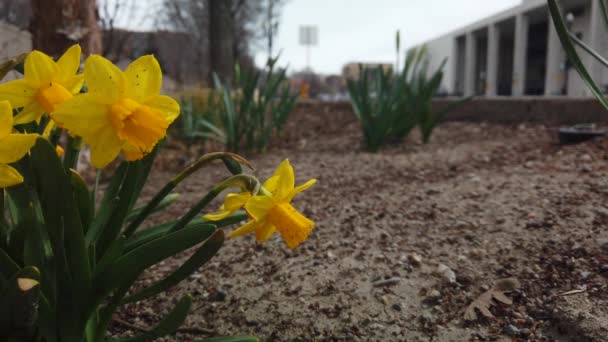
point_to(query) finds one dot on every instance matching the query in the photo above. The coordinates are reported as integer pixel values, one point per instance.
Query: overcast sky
(361, 30)
(364, 30)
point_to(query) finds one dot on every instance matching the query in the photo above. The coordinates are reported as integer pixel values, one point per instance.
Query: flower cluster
(271, 210)
(121, 111)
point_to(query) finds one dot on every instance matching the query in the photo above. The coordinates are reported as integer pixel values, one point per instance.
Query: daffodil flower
(45, 85)
(272, 210)
(12, 147)
(122, 111)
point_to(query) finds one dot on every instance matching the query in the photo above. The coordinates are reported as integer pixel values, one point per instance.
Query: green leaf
(169, 324)
(164, 203)
(8, 267)
(136, 261)
(83, 199)
(146, 235)
(109, 203)
(207, 250)
(61, 213)
(564, 37)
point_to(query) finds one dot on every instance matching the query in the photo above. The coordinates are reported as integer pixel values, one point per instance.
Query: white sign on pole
(309, 35)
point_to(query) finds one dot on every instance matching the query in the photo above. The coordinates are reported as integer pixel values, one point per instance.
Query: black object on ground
(579, 133)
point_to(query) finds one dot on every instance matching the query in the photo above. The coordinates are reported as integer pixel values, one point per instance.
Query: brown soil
(489, 202)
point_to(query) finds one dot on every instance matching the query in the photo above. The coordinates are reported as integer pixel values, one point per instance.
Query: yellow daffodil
(122, 111)
(12, 147)
(46, 84)
(272, 210)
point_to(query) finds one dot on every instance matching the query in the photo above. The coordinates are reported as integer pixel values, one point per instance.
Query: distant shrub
(198, 121)
(251, 116)
(389, 106)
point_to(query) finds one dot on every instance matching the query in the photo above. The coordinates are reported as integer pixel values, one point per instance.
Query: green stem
(245, 182)
(204, 160)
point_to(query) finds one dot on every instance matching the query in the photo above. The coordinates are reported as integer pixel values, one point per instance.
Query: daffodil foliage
(68, 260)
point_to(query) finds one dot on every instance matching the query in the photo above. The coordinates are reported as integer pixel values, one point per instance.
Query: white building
(517, 52)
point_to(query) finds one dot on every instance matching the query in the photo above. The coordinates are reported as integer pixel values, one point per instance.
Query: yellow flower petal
(18, 92)
(6, 119)
(286, 181)
(74, 84)
(9, 176)
(82, 116)
(264, 232)
(235, 202)
(104, 79)
(144, 78)
(300, 188)
(166, 105)
(105, 147)
(40, 69)
(271, 184)
(69, 63)
(29, 113)
(245, 229)
(15, 146)
(258, 207)
(218, 215)
(232, 203)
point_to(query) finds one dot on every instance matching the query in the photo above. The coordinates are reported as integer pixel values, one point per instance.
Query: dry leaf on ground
(486, 300)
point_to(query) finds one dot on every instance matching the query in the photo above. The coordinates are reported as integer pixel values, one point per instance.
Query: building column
(520, 54)
(470, 57)
(597, 35)
(493, 48)
(556, 59)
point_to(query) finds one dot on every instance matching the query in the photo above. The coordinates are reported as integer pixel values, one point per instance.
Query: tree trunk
(58, 24)
(221, 39)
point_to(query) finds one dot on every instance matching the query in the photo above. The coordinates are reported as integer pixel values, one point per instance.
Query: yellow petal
(301, 188)
(29, 113)
(258, 206)
(18, 92)
(235, 202)
(6, 119)
(104, 79)
(264, 232)
(105, 147)
(286, 181)
(69, 63)
(40, 69)
(245, 229)
(82, 116)
(74, 84)
(9, 176)
(218, 215)
(168, 106)
(15, 146)
(271, 184)
(144, 78)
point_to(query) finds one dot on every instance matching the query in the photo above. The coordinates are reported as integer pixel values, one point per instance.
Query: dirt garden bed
(408, 238)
